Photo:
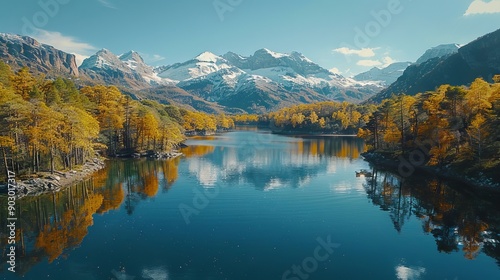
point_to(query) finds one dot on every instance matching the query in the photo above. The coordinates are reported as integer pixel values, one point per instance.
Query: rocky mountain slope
(19, 51)
(261, 82)
(479, 58)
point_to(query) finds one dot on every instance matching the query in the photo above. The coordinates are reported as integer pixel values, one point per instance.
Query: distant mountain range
(480, 58)
(264, 81)
(390, 74)
(383, 76)
(258, 83)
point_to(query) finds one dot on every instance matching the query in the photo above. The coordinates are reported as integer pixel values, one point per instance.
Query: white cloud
(483, 7)
(68, 44)
(387, 61)
(108, 4)
(369, 63)
(335, 70)
(364, 52)
(384, 62)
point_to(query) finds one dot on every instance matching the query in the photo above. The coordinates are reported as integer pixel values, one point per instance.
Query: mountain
(264, 81)
(127, 70)
(261, 82)
(265, 58)
(19, 51)
(439, 51)
(478, 59)
(136, 63)
(295, 70)
(390, 74)
(383, 76)
(202, 65)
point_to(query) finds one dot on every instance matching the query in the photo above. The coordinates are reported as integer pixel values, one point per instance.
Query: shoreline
(478, 186)
(311, 134)
(44, 182)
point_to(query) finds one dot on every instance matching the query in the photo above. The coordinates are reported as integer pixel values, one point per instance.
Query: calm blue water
(252, 205)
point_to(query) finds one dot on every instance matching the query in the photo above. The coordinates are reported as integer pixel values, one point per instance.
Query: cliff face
(20, 51)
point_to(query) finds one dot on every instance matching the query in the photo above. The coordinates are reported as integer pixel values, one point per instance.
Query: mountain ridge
(20, 51)
(261, 82)
(477, 59)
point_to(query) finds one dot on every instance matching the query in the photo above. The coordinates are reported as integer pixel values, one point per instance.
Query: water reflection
(50, 226)
(458, 221)
(268, 161)
(409, 273)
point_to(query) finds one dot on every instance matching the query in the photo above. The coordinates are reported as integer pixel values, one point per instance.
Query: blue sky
(348, 36)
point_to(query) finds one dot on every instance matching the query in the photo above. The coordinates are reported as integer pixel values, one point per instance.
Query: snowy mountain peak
(103, 59)
(104, 51)
(203, 65)
(131, 55)
(130, 66)
(269, 52)
(208, 57)
(300, 56)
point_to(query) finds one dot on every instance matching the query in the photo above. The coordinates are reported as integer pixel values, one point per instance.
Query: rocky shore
(45, 182)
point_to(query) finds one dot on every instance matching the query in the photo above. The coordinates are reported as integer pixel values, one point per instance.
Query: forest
(52, 124)
(456, 126)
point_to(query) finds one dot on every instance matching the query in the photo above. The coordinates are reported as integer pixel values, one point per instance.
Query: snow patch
(275, 54)
(208, 57)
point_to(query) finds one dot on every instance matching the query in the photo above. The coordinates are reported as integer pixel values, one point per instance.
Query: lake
(254, 205)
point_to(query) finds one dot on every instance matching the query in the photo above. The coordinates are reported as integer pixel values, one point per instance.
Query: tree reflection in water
(457, 220)
(51, 225)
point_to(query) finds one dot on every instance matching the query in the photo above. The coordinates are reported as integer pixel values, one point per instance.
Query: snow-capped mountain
(293, 68)
(439, 51)
(383, 76)
(201, 66)
(261, 82)
(105, 60)
(128, 69)
(136, 63)
(274, 76)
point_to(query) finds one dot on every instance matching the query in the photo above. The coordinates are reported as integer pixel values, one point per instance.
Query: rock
(19, 50)
(53, 177)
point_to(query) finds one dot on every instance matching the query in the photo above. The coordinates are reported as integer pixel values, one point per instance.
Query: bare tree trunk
(5, 162)
(51, 160)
